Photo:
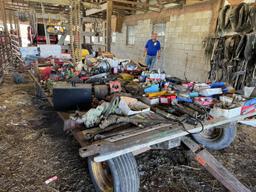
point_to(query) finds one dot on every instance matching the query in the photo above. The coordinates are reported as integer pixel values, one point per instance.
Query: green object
(69, 74)
(49, 86)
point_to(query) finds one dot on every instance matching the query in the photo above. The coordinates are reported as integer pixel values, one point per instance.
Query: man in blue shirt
(152, 51)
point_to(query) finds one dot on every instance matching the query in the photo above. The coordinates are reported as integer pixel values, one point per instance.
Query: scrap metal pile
(233, 50)
(106, 94)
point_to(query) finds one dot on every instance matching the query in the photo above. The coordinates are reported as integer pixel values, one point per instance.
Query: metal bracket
(168, 144)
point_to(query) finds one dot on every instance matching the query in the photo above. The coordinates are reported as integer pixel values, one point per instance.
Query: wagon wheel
(119, 174)
(217, 138)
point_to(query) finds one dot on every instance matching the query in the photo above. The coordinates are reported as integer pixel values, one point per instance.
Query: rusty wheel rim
(212, 134)
(103, 177)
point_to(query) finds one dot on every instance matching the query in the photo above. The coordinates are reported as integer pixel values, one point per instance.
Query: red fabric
(45, 73)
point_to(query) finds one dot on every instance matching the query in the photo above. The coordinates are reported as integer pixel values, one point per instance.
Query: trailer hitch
(213, 166)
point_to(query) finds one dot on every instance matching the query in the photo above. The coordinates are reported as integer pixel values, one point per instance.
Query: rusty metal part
(123, 128)
(115, 119)
(115, 87)
(102, 176)
(124, 131)
(89, 134)
(71, 124)
(112, 106)
(134, 88)
(101, 91)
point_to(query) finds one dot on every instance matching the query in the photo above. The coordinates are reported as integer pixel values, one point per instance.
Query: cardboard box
(150, 101)
(131, 106)
(228, 113)
(210, 92)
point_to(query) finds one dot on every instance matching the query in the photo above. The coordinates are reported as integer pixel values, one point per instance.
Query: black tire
(221, 140)
(120, 175)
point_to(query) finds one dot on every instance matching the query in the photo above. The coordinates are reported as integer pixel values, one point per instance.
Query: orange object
(156, 94)
(200, 160)
(115, 87)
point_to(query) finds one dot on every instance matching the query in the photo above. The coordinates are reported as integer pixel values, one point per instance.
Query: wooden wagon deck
(133, 139)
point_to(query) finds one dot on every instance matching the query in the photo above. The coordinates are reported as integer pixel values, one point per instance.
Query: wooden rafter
(50, 5)
(55, 2)
(93, 11)
(135, 3)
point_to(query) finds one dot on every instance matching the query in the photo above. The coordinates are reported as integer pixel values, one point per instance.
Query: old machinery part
(101, 91)
(66, 97)
(115, 87)
(94, 116)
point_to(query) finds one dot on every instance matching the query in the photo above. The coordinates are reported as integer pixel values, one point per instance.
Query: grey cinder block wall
(183, 52)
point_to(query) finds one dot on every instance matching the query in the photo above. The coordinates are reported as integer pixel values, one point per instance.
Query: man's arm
(145, 52)
(158, 54)
(159, 51)
(146, 49)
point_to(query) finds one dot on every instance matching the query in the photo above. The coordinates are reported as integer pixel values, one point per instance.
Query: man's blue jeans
(150, 61)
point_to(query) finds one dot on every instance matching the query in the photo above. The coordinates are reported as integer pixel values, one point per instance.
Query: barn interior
(127, 95)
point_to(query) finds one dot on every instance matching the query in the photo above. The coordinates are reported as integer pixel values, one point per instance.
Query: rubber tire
(124, 172)
(223, 141)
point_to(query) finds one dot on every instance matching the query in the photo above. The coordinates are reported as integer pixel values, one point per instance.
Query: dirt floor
(34, 148)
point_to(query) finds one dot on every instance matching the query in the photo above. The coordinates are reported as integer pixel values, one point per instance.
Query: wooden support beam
(88, 33)
(51, 16)
(45, 31)
(56, 2)
(10, 19)
(36, 7)
(134, 8)
(126, 8)
(87, 5)
(91, 20)
(213, 166)
(164, 2)
(109, 18)
(102, 8)
(138, 4)
(217, 5)
(90, 5)
(127, 2)
(4, 16)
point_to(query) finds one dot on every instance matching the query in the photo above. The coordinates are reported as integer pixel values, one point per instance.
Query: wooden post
(104, 23)
(79, 30)
(45, 30)
(10, 20)
(4, 17)
(18, 29)
(217, 5)
(109, 31)
(83, 31)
